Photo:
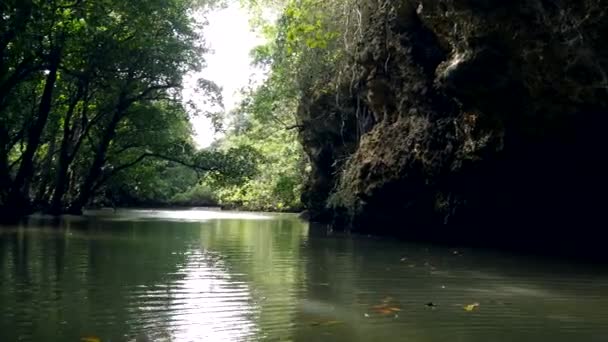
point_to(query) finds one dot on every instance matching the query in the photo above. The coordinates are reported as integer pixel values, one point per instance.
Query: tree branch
(162, 157)
(144, 156)
(124, 149)
(21, 72)
(150, 90)
(299, 127)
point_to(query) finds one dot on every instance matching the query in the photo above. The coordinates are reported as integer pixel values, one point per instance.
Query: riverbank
(203, 205)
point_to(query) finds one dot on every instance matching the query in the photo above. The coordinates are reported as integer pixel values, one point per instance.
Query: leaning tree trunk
(65, 159)
(19, 195)
(87, 189)
(5, 180)
(42, 194)
(61, 180)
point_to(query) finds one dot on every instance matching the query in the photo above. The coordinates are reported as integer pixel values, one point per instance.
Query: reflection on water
(214, 276)
(174, 215)
(206, 304)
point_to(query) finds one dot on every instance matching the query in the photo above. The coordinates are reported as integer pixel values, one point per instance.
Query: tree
(305, 50)
(91, 89)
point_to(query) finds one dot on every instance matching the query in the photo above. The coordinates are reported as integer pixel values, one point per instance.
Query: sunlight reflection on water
(187, 215)
(206, 305)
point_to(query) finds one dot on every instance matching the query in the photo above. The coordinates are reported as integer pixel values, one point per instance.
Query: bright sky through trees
(230, 39)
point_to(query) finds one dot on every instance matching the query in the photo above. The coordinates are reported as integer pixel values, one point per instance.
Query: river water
(198, 275)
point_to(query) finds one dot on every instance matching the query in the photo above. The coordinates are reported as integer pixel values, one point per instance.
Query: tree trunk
(65, 159)
(5, 180)
(47, 165)
(87, 190)
(61, 181)
(19, 196)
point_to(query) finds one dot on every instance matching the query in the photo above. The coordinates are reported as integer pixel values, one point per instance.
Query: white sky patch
(231, 40)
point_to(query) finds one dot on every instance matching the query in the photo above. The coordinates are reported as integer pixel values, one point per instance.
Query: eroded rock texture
(474, 119)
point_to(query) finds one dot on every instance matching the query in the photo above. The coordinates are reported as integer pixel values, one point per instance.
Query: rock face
(329, 137)
(484, 120)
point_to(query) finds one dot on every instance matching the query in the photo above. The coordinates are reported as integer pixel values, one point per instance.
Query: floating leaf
(90, 339)
(385, 309)
(471, 307)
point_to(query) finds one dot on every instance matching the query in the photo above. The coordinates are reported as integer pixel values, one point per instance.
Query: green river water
(194, 275)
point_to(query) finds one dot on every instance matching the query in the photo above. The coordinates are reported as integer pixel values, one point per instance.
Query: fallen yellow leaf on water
(90, 339)
(385, 309)
(471, 307)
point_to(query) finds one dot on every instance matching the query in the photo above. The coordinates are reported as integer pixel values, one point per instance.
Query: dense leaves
(90, 103)
(277, 184)
(91, 108)
(306, 48)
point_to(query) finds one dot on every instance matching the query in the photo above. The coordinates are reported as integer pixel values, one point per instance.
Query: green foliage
(200, 195)
(151, 182)
(304, 52)
(278, 183)
(309, 46)
(232, 166)
(306, 25)
(90, 103)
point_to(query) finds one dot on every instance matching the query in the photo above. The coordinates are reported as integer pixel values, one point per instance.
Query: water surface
(214, 276)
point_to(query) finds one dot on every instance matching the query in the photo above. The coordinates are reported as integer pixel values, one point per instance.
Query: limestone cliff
(469, 119)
